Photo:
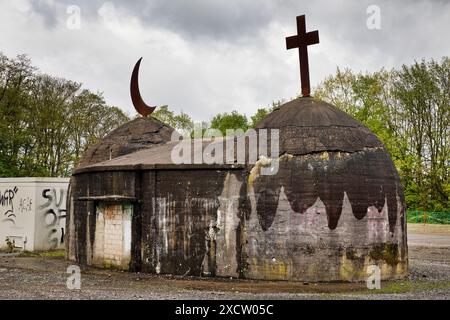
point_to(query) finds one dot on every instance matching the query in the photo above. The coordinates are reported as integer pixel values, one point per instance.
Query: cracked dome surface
(308, 125)
(140, 133)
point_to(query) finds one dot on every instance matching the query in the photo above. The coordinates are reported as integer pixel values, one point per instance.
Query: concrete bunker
(334, 208)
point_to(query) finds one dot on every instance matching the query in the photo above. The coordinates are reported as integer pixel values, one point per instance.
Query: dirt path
(45, 278)
(429, 229)
(428, 235)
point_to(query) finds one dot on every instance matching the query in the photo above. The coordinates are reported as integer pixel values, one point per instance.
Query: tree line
(409, 110)
(47, 122)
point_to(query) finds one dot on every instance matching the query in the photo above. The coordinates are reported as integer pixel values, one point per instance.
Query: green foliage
(430, 217)
(261, 113)
(422, 93)
(222, 121)
(408, 109)
(258, 116)
(181, 122)
(233, 120)
(46, 122)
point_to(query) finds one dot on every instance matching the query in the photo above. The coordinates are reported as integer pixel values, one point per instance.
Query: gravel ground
(45, 278)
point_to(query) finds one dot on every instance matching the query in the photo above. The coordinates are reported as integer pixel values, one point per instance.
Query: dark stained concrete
(140, 133)
(335, 206)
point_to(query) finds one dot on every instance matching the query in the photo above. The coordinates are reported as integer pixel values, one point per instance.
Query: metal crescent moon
(141, 107)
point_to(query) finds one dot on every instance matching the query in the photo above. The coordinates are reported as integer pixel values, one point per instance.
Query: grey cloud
(193, 19)
(242, 21)
(205, 20)
(255, 69)
(47, 11)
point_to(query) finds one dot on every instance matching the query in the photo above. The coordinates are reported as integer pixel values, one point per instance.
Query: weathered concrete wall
(178, 229)
(33, 212)
(327, 216)
(334, 207)
(85, 192)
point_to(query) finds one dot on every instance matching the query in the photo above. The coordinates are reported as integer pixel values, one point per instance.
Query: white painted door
(112, 246)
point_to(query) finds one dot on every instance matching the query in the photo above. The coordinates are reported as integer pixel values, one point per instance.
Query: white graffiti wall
(33, 213)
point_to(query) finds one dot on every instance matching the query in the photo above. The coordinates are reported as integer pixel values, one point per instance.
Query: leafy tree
(258, 116)
(408, 109)
(16, 78)
(422, 93)
(46, 122)
(181, 122)
(337, 89)
(233, 120)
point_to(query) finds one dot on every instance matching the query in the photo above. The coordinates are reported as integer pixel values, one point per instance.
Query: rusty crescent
(141, 107)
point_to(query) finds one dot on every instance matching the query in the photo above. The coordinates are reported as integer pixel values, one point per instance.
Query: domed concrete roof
(326, 153)
(310, 125)
(334, 206)
(140, 133)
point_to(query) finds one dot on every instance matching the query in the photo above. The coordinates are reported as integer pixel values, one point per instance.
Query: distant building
(33, 213)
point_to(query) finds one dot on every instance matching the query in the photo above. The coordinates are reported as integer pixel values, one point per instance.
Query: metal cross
(301, 41)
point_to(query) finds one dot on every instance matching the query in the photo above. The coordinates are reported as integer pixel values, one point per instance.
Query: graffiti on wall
(53, 213)
(25, 205)
(7, 205)
(11, 206)
(33, 214)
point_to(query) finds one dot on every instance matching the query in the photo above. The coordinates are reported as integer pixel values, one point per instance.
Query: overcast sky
(206, 56)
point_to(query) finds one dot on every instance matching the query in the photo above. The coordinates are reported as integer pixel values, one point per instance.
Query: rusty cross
(301, 41)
